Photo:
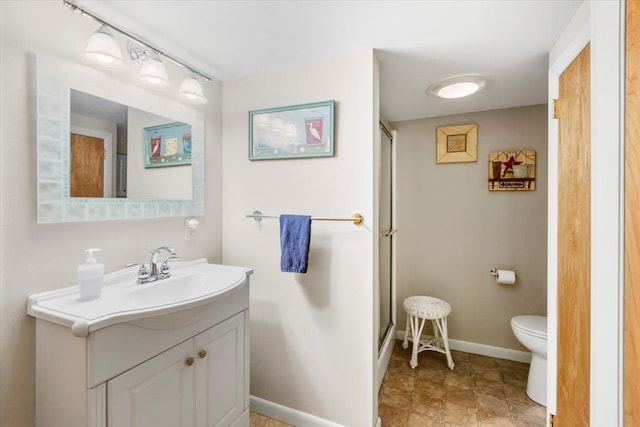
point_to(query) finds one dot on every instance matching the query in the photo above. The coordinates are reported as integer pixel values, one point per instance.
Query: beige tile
(527, 412)
(419, 420)
(511, 364)
(257, 420)
(459, 356)
(497, 422)
(392, 417)
(455, 415)
(459, 396)
(432, 360)
(275, 423)
(485, 372)
(491, 406)
(460, 379)
(517, 393)
(431, 408)
(529, 423)
(397, 398)
(401, 367)
(430, 374)
(404, 382)
(477, 359)
(430, 390)
(493, 388)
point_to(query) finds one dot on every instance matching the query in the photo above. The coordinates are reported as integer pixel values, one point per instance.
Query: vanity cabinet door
(220, 373)
(157, 393)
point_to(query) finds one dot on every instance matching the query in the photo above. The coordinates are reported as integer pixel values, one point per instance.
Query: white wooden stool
(419, 309)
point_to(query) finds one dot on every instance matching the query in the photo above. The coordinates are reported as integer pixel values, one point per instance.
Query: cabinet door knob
(190, 361)
(202, 354)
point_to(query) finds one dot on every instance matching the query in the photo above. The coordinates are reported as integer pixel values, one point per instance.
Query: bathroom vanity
(169, 353)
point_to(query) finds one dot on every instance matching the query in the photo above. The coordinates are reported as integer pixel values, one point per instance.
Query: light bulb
(103, 50)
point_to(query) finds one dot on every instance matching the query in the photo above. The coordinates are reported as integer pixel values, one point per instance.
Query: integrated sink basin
(191, 284)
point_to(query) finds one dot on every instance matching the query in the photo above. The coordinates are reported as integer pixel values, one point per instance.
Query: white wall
(36, 258)
(312, 335)
(452, 230)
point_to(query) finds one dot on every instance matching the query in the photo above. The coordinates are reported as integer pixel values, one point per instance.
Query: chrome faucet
(154, 273)
(153, 263)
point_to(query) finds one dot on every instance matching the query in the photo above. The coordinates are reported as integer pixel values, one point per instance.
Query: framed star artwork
(512, 170)
(457, 144)
(167, 145)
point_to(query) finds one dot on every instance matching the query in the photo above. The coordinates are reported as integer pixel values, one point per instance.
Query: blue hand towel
(295, 235)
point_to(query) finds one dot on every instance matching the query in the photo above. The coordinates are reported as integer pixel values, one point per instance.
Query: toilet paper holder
(506, 277)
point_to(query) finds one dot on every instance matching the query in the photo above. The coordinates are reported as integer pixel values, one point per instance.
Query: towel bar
(356, 218)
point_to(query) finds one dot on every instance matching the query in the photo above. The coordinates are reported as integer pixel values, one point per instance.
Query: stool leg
(405, 343)
(442, 324)
(435, 331)
(417, 331)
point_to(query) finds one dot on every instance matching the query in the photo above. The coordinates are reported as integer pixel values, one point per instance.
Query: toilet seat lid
(532, 325)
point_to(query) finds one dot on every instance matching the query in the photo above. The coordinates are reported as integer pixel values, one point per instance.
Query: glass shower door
(386, 236)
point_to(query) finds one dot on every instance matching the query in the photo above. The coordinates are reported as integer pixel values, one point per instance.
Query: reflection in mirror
(120, 151)
(137, 181)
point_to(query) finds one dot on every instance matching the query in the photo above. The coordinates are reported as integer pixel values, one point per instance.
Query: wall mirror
(110, 150)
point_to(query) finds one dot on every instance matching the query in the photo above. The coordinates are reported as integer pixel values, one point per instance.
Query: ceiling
(418, 43)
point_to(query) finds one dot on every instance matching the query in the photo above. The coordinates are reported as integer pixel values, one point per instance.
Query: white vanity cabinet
(205, 373)
(165, 365)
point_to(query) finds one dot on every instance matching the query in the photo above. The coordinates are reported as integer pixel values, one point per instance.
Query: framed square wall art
(167, 145)
(457, 144)
(296, 131)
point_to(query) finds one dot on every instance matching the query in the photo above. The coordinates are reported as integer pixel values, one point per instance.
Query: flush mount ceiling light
(458, 87)
(103, 50)
(191, 91)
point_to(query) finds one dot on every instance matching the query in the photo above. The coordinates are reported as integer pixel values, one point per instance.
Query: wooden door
(157, 393)
(220, 373)
(632, 219)
(574, 243)
(87, 166)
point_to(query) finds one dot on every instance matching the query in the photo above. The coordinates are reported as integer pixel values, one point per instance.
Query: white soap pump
(90, 277)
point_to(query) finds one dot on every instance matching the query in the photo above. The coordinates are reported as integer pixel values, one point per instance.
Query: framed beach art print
(296, 131)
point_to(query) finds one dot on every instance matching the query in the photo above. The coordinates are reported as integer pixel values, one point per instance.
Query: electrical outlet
(190, 226)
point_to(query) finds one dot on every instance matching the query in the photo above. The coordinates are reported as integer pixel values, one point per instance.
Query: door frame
(601, 24)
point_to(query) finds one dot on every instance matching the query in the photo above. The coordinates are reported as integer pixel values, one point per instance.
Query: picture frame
(167, 145)
(295, 131)
(457, 144)
(512, 170)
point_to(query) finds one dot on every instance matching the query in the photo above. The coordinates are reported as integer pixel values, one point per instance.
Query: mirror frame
(55, 79)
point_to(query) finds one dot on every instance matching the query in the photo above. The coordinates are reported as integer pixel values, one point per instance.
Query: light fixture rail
(74, 6)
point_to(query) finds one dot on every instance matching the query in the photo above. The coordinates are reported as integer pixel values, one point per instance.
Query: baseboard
(482, 349)
(288, 415)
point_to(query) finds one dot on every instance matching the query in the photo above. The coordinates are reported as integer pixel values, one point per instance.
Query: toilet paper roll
(506, 277)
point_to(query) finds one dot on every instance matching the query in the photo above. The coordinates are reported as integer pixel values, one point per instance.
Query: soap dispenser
(90, 276)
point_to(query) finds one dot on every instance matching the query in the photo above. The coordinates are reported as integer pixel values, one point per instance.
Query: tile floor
(480, 391)
(258, 420)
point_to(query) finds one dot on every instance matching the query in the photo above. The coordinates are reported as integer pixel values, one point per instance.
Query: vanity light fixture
(153, 74)
(103, 51)
(191, 91)
(458, 87)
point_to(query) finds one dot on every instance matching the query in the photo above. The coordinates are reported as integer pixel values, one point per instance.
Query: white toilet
(531, 331)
